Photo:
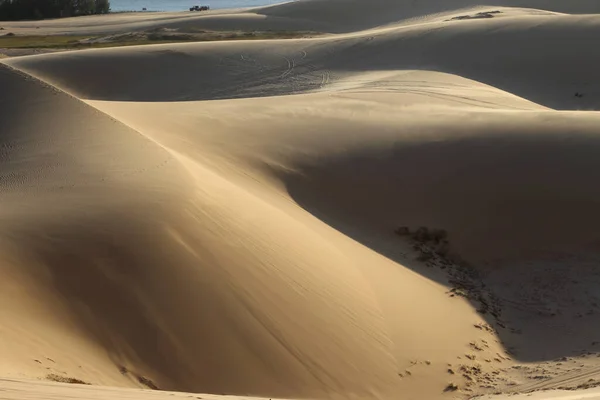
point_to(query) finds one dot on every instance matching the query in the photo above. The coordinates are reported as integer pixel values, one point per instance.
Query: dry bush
(452, 387)
(65, 379)
(147, 382)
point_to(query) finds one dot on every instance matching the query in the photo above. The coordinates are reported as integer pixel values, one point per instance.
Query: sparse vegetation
(431, 243)
(438, 235)
(425, 257)
(434, 250)
(65, 379)
(421, 235)
(459, 292)
(147, 382)
(26, 42)
(452, 387)
(424, 235)
(12, 41)
(484, 327)
(479, 15)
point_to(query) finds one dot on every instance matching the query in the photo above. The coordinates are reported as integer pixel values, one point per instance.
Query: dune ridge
(220, 217)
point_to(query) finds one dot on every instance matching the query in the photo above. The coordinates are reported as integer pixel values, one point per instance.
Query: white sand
(219, 217)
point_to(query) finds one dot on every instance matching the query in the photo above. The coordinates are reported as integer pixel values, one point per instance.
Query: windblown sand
(224, 217)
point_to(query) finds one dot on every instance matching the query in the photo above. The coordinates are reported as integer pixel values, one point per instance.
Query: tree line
(11, 10)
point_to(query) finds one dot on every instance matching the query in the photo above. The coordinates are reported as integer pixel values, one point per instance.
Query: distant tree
(102, 6)
(39, 9)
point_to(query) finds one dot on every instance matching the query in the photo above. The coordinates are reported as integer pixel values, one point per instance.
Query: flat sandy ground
(587, 394)
(405, 207)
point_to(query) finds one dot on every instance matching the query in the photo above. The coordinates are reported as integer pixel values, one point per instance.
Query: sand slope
(116, 249)
(219, 217)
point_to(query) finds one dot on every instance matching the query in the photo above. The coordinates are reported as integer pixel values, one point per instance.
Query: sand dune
(334, 16)
(220, 217)
(353, 15)
(518, 45)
